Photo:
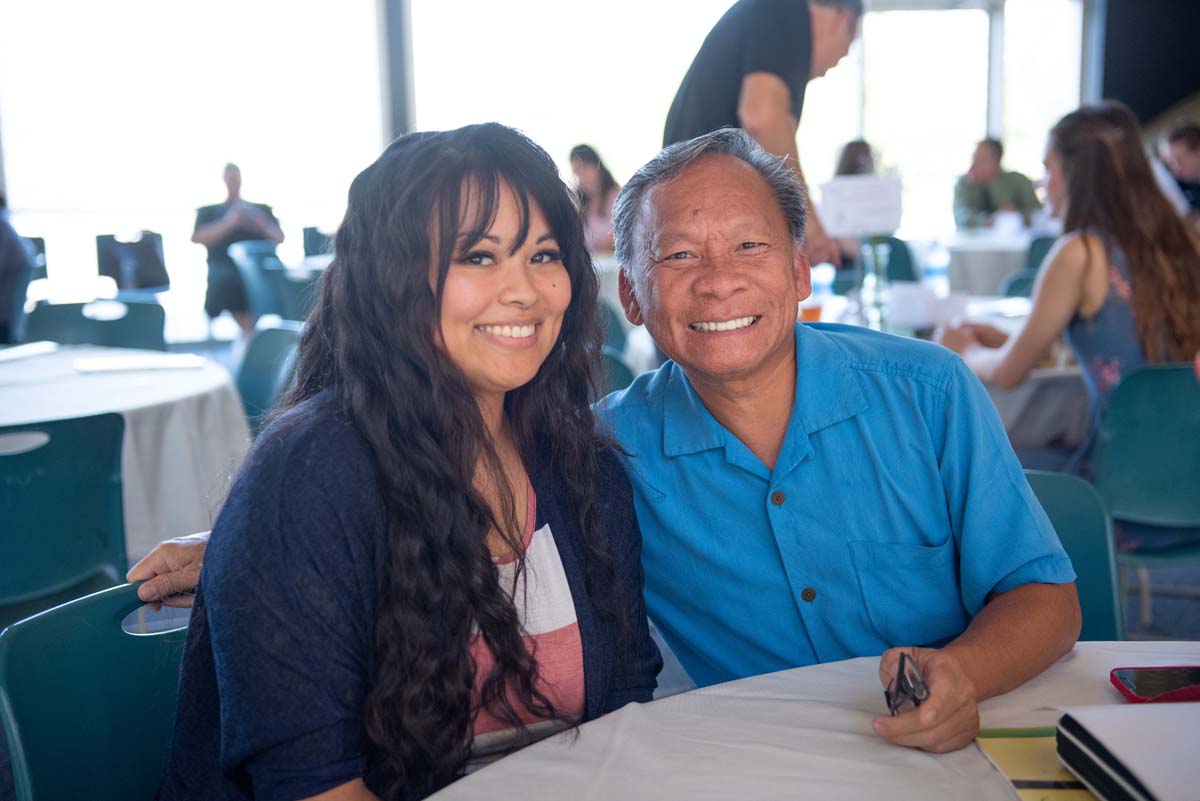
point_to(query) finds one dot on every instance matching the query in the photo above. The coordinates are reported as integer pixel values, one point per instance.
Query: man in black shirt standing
(217, 227)
(751, 73)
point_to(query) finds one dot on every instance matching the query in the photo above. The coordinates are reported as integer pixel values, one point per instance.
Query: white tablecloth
(185, 433)
(979, 263)
(803, 733)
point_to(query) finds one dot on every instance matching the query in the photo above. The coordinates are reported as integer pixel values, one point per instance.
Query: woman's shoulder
(310, 452)
(1078, 246)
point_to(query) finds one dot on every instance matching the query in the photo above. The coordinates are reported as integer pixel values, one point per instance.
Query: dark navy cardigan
(280, 652)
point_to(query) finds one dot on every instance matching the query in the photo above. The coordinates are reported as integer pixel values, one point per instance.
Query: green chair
(895, 254)
(295, 292)
(1078, 514)
(317, 242)
(617, 374)
(61, 512)
(110, 323)
(266, 369)
(614, 329)
(1039, 246)
(1146, 465)
(252, 258)
(1019, 284)
(88, 708)
(845, 281)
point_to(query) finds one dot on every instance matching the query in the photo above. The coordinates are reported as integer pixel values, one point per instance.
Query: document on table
(28, 350)
(140, 361)
(1028, 759)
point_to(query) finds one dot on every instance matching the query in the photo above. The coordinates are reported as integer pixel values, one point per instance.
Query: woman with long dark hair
(597, 191)
(1122, 283)
(430, 555)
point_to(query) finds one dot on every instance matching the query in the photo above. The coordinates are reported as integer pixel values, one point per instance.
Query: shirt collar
(827, 392)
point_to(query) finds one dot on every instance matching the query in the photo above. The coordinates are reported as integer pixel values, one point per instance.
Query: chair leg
(1145, 599)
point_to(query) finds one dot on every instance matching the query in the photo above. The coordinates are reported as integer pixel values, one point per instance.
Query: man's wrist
(966, 658)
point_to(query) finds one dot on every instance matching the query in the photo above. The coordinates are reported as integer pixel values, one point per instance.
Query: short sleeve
(776, 37)
(267, 210)
(289, 580)
(1004, 538)
(206, 215)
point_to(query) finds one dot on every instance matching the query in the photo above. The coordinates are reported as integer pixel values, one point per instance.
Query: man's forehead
(714, 184)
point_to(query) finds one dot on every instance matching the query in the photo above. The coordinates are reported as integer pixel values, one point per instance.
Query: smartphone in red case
(1157, 684)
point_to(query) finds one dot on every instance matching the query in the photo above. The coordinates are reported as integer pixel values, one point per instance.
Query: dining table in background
(797, 734)
(185, 428)
(981, 261)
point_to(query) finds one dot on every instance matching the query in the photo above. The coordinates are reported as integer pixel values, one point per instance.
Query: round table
(803, 733)
(980, 262)
(185, 431)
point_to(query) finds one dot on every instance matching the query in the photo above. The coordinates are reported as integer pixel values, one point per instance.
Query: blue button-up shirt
(896, 506)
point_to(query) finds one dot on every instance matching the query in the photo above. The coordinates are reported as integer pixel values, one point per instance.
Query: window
(563, 72)
(122, 116)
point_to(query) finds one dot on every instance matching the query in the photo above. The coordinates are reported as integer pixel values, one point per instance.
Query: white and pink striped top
(546, 612)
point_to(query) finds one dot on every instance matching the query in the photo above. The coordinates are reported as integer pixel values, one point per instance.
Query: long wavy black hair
(371, 340)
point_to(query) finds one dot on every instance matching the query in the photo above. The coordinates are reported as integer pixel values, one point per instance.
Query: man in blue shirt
(814, 493)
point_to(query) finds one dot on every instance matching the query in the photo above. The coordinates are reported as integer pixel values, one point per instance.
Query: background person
(217, 227)
(1181, 152)
(429, 553)
(751, 73)
(856, 158)
(987, 189)
(1122, 284)
(15, 272)
(597, 191)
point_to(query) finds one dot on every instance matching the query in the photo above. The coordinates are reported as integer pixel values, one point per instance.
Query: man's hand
(819, 248)
(947, 721)
(171, 571)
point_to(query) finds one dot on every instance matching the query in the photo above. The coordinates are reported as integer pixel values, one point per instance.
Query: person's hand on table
(987, 335)
(957, 338)
(948, 720)
(171, 571)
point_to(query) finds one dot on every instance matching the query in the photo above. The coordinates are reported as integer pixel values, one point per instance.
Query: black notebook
(1141, 752)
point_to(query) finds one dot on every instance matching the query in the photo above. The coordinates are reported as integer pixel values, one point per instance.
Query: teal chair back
(1078, 514)
(1039, 246)
(266, 369)
(317, 242)
(252, 259)
(898, 261)
(617, 374)
(89, 709)
(60, 512)
(614, 329)
(845, 281)
(110, 323)
(1146, 463)
(1019, 284)
(295, 293)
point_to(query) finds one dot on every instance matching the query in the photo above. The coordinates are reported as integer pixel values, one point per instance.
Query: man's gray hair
(674, 159)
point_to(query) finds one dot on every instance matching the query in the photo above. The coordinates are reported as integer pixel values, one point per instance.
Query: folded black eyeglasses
(907, 690)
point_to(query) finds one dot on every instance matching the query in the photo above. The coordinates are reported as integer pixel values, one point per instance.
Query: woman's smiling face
(504, 298)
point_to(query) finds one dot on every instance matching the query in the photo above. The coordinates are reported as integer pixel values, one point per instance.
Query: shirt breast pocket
(911, 592)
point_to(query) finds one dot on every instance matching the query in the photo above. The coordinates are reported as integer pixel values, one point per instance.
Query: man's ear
(803, 271)
(633, 312)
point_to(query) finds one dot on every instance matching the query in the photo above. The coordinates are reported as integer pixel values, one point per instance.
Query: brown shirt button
(809, 594)
(777, 498)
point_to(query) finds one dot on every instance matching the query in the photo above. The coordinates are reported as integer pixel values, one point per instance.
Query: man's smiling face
(718, 277)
